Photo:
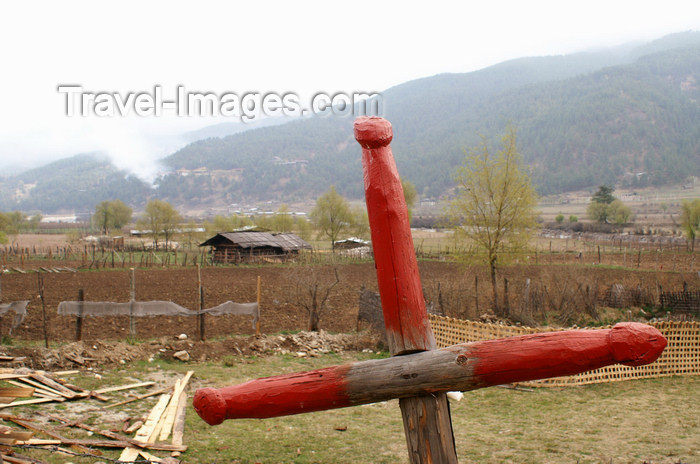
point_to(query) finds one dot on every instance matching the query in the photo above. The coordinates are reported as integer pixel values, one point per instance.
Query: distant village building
(350, 243)
(252, 246)
(354, 246)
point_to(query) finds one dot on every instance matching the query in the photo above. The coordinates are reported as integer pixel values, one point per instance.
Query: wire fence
(681, 356)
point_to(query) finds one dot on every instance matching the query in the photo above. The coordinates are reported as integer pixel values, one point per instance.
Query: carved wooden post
(459, 367)
(422, 375)
(426, 419)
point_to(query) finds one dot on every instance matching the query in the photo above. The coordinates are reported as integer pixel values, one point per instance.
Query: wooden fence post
(202, 319)
(79, 320)
(40, 277)
(257, 324)
(200, 302)
(132, 300)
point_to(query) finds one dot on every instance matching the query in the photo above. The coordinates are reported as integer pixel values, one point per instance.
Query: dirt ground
(280, 310)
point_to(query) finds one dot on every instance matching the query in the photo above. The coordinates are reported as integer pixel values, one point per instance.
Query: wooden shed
(237, 247)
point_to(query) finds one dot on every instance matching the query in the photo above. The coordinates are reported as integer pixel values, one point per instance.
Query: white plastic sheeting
(152, 308)
(20, 309)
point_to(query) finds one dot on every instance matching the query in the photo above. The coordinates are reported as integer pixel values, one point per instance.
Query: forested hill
(75, 184)
(621, 116)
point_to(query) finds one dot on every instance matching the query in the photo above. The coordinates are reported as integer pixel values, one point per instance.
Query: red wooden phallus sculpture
(460, 367)
(421, 375)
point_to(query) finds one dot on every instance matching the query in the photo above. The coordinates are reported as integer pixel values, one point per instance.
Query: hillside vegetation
(627, 116)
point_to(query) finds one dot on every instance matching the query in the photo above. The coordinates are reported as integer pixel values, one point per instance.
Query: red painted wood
(274, 396)
(461, 367)
(556, 354)
(405, 317)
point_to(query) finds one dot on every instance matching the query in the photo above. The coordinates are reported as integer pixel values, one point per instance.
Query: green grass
(626, 422)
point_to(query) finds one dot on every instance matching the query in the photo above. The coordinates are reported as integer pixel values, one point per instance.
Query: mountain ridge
(627, 115)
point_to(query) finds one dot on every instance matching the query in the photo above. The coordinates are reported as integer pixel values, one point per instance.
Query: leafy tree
(302, 227)
(122, 214)
(619, 212)
(162, 219)
(605, 208)
(4, 225)
(604, 195)
(16, 220)
(360, 222)
(494, 207)
(410, 195)
(111, 214)
(34, 221)
(332, 216)
(282, 221)
(690, 220)
(598, 212)
(573, 218)
(559, 218)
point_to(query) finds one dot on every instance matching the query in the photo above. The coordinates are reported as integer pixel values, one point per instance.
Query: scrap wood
(67, 392)
(20, 459)
(134, 427)
(169, 416)
(116, 444)
(40, 441)
(19, 384)
(85, 393)
(179, 427)
(139, 397)
(125, 387)
(37, 391)
(33, 401)
(53, 384)
(149, 456)
(21, 392)
(24, 373)
(8, 435)
(121, 439)
(27, 424)
(43, 387)
(158, 431)
(146, 432)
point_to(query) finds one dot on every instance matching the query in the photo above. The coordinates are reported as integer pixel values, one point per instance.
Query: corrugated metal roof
(288, 242)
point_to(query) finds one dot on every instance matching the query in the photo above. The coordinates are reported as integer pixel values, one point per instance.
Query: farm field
(450, 286)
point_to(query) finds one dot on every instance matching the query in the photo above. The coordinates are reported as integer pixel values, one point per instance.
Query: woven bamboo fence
(681, 356)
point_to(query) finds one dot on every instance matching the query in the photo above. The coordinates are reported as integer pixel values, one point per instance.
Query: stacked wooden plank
(165, 419)
(48, 387)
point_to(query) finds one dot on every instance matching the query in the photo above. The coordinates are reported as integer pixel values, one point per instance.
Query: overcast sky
(301, 47)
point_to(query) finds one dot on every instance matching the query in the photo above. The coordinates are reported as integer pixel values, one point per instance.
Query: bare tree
(313, 287)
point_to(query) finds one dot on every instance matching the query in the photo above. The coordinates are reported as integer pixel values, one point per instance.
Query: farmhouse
(236, 247)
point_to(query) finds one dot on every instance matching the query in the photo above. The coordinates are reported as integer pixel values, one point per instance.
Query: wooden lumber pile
(48, 387)
(166, 417)
(165, 421)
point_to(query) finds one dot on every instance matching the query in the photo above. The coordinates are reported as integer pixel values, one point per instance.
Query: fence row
(681, 356)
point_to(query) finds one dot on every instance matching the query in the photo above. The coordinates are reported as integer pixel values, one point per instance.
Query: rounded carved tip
(210, 405)
(373, 132)
(635, 344)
